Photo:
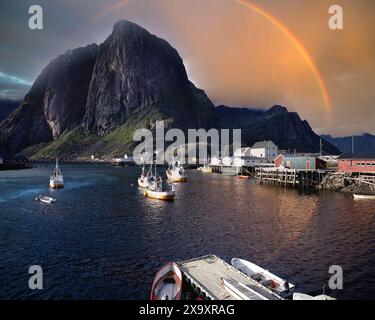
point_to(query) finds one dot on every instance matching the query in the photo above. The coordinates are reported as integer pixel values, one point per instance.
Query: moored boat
(267, 279)
(45, 199)
(243, 177)
(167, 284)
(56, 180)
(146, 178)
(363, 197)
(156, 190)
(176, 173)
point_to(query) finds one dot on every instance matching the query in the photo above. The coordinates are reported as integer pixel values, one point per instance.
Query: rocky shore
(345, 183)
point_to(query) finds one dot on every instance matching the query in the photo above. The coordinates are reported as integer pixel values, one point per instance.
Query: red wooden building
(357, 163)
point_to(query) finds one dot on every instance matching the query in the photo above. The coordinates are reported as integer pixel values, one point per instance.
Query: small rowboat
(243, 177)
(264, 277)
(363, 197)
(167, 284)
(45, 199)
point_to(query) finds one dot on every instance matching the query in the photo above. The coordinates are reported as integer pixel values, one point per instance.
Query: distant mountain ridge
(91, 100)
(364, 143)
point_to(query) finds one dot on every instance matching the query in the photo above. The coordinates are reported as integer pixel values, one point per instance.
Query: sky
(255, 53)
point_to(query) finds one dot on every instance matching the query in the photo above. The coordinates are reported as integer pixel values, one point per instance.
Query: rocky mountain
(91, 100)
(7, 107)
(364, 143)
(284, 128)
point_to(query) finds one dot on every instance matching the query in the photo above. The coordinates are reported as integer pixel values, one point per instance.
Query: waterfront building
(265, 149)
(299, 162)
(354, 163)
(249, 161)
(242, 152)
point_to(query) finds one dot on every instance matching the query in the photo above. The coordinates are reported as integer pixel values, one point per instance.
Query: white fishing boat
(156, 190)
(146, 177)
(267, 279)
(167, 284)
(363, 197)
(56, 179)
(45, 199)
(304, 297)
(176, 173)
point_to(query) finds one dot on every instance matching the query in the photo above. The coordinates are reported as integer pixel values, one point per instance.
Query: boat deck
(208, 273)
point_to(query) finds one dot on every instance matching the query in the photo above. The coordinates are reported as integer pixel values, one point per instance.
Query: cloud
(238, 57)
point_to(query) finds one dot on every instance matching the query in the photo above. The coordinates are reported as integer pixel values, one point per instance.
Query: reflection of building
(357, 163)
(1, 159)
(299, 162)
(265, 149)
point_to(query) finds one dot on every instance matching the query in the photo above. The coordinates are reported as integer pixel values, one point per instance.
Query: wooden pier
(209, 273)
(290, 177)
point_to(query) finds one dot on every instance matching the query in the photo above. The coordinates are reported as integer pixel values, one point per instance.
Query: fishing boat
(56, 180)
(267, 279)
(176, 173)
(45, 199)
(157, 190)
(146, 177)
(363, 197)
(167, 284)
(303, 296)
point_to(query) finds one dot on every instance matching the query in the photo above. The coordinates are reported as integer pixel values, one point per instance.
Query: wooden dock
(208, 273)
(290, 177)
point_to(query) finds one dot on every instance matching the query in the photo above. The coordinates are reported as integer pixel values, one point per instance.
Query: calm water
(104, 240)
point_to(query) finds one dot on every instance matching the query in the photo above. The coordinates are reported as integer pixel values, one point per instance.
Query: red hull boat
(167, 284)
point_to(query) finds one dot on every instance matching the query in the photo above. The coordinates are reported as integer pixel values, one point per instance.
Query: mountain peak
(278, 109)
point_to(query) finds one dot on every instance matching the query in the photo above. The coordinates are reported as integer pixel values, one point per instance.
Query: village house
(249, 161)
(265, 149)
(357, 163)
(299, 162)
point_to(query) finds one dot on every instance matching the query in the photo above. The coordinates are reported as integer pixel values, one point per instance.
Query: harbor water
(103, 239)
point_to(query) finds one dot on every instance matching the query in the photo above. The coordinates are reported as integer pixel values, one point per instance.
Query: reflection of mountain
(7, 107)
(92, 99)
(363, 144)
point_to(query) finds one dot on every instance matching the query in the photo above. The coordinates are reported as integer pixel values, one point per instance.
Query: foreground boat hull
(363, 197)
(167, 284)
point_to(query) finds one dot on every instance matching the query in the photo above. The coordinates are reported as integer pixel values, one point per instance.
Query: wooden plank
(208, 273)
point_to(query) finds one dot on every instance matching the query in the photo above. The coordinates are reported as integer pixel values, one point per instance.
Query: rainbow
(278, 24)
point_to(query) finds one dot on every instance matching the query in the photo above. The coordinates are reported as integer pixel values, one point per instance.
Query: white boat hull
(305, 297)
(162, 195)
(144, 183)
(264, 277)
(363, 197)
(176, 177)
(47, 200)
